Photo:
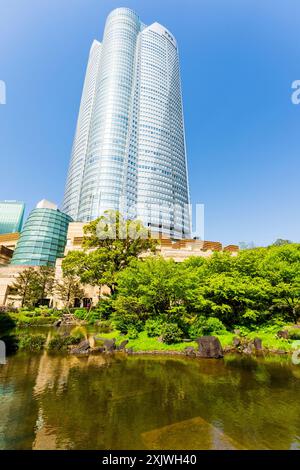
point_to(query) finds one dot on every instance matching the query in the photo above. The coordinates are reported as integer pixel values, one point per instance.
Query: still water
(147, 402)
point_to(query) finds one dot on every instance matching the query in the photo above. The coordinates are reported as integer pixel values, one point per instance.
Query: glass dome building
(43, 237)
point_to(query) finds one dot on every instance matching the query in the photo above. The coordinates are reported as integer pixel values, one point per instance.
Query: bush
(153, 327)
(81, 313)
(6, 322)
(43, 311)
(61, 343)
(105, 308)
(171, 333)
(32, 343)
(294, 333)
(57, 343)
(93, 316)
(206, 326)
(104, 326)
(123, 322)
(133, 333)
(77, 335)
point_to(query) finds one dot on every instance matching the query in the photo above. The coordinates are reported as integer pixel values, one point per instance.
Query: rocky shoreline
(208, 347)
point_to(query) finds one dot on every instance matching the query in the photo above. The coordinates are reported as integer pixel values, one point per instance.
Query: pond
(148, 402)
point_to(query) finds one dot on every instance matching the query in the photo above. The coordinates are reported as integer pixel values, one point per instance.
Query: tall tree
(45, 279)
(69, 289)
(26, 287)
(111, 243)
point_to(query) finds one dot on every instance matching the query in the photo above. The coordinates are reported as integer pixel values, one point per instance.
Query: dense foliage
(201, 295)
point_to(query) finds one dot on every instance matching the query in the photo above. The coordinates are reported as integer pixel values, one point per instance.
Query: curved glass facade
(43, 238)
(11, 216)
(134, 158)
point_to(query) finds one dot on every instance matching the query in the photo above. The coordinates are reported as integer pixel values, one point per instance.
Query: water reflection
(106, 402)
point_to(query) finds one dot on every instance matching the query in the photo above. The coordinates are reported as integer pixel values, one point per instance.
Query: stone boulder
(257, 344)
(82, 348)
(109, 344)
(210, 347)
(248, 348)
(236, 341)
(190, 351)
(57, 323)
(283, 334)
(121, 346)
(97, 350)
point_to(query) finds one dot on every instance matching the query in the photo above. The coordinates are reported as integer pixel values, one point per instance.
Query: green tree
(287, 299)
(69, 289)
(26, 287)
(45, 280)
(281, 241)
(111, 243)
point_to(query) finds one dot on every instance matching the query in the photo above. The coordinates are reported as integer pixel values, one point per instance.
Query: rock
(129, 351)
(283, 334)
(190, 351)
(248, 348)
(121, 347)
(109, 344)
(82, 348)
(57, 323)
(210, 347)
(237, 332)
(257, 344)
(97, 350)
(236, 341)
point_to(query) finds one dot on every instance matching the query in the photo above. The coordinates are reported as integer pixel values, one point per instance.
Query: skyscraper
(129, 147)
(11, 216)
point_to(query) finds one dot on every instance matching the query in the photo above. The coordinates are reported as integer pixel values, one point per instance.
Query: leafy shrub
(153, 327)
(294, 333)
(77, 335)
(6, 322)
(105, 308)
(171, 333)
(104, 326)
(80, 313)
(93, 316)
(32, 343)
(206, 326)
(178, 314)
(43, 311)
(123, 322)
(57, 343)
(133, 333)
(61, 342)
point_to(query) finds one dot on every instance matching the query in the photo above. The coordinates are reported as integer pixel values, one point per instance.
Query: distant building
(43, 237)
(11, 216)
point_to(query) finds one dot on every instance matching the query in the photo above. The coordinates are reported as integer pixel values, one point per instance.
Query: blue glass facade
(43, 238)
(11, 216)
(129, 150)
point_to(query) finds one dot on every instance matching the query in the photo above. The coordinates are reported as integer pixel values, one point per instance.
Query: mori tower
(129, 148)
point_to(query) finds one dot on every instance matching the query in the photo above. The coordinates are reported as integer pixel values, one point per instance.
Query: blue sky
(238, 61)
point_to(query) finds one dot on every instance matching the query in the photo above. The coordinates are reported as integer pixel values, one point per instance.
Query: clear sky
(238, 61)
